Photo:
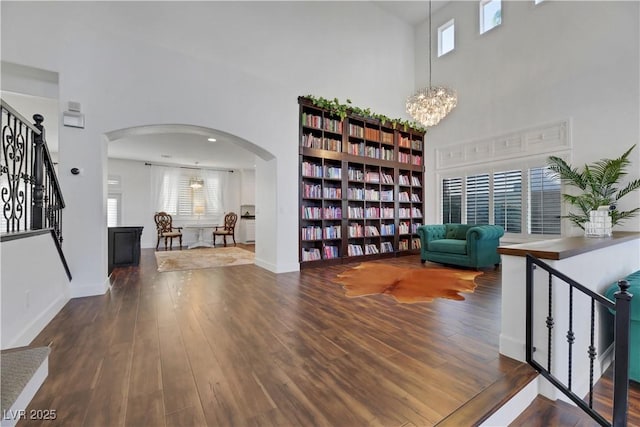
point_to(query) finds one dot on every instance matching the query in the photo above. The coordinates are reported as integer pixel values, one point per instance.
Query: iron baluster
(570, 334)
(592, 354)
(549, 322)
(621, 367)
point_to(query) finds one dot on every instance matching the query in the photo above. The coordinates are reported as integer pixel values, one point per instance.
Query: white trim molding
(542, 139)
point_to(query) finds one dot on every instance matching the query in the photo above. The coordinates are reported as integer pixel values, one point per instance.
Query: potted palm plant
(599, 186)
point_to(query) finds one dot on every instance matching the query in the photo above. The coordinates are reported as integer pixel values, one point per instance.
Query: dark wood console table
(124, 246)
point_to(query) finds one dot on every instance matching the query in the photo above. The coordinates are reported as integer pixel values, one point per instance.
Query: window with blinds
(477, 199)
(113, 210)
(114, 199)
(205, 200)
(544, 202)
(452, 200)
(507, 200)
(523, 200)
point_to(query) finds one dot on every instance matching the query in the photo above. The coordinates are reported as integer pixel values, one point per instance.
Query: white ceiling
(183, 149)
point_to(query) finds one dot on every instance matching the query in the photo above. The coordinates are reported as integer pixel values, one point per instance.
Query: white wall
(554, 61)
(233, 66)
(32, 291)
(137, 209)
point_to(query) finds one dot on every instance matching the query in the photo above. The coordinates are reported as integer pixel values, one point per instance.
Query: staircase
(23, 370)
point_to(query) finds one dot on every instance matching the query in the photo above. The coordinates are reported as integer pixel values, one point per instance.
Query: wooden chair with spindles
(227, 229)
(166, 230)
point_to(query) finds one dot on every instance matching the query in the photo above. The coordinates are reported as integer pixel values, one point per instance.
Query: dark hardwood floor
(241, 346)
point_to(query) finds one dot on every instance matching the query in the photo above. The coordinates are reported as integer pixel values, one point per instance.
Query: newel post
(621, 367)
(37, 210)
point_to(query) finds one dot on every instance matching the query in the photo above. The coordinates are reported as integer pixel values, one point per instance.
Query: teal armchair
(464, 245)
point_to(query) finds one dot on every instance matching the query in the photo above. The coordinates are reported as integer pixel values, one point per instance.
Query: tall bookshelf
(361, 194)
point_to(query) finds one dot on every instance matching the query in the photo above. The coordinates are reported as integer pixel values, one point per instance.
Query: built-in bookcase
(361, 194)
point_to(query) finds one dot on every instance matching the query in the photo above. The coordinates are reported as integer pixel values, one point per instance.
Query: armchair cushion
(451, 246)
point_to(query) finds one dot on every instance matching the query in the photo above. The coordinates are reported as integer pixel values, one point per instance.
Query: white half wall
(33, 288)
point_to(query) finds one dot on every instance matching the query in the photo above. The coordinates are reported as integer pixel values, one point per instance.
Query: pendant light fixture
(431, 104)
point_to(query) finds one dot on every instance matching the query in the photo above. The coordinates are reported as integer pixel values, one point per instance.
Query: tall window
(544, 202)
(507, 200)
(477, 199)
(452, 200)
(446, 38)
(490, 14)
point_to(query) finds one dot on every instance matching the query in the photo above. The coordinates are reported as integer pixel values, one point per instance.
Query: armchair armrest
(485, 232)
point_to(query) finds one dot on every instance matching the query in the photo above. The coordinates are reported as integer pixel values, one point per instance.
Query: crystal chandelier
(431, 104)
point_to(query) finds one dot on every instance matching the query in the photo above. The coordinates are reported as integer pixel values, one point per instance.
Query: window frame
(441, 29)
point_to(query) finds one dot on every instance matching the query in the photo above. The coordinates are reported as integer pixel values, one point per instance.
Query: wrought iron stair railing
(565, 381)
(30, 195)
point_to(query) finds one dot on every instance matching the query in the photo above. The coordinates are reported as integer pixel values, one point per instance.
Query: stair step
(489, 400)
(545, 412)
(22, 372)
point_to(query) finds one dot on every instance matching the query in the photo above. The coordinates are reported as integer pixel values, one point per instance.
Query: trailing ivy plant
(598, 183)
(341, 110)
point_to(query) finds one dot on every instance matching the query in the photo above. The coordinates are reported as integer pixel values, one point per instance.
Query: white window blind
(544, 202)
(477, 199)
(452, 200)
(507, 200)
(113, 210)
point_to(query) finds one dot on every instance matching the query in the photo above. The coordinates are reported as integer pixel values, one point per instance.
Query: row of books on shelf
(358, 230)
(315, 212)
(331, 252)
(411, 212)
(316, 171)
(403, 196)
(406, 180)
(406, 142)
(316, 191)
(376, 177)
(410, 158)
(369, 194)
(312, 141)
(354, 212)
(312, 120)
(404, 227)
(317, 233)
(403, 244)
(313, 254)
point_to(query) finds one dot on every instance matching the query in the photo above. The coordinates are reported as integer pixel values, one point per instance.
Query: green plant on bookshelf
(341, 110)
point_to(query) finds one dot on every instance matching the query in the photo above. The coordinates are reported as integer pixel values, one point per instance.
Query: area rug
(407, 285)
(193, 259)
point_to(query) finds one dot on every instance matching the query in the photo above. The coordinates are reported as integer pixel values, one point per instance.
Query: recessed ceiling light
(211, 139)
(165, 156)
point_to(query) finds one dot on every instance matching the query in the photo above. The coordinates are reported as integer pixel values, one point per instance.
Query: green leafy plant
(341, 110)
(598, 183)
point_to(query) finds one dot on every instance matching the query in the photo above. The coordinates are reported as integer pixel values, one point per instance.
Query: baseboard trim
(277, 268)
(512, 348)
(90, 290)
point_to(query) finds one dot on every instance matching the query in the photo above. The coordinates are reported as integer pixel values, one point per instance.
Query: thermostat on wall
(73, 119)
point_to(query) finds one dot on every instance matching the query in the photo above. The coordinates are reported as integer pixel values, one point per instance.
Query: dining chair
(228, 229)
(166, 230)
